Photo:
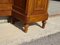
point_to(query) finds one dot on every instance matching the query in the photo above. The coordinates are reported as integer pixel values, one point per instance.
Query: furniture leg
(43, 24)
(26, 27)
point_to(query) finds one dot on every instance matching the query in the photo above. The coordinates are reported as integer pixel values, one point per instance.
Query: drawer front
(5, 13)
(5, 1)
(5, 6)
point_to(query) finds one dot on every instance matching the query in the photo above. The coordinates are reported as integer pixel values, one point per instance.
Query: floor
(54, 8)
(13, 35)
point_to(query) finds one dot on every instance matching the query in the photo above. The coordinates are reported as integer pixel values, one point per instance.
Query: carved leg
(43, 24)
(26, 27)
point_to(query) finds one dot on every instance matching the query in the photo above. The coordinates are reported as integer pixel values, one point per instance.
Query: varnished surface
(5, 7)
(33, 9)
(5, 1)
(30, 11)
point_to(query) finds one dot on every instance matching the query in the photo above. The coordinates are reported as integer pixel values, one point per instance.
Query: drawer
(5, 1)
(5, 6)
(5, 12)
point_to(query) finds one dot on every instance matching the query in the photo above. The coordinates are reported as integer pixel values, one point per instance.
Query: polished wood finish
(5, 7)
(30, 11)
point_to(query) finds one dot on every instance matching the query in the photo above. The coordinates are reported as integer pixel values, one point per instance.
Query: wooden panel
(5, 13)
(38, 17)
(19, 16)
(20, 5)
(5, 1)
(5, 6)
(40, 5)
(37, 6)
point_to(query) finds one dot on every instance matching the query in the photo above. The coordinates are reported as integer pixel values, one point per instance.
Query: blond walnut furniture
(30, 11)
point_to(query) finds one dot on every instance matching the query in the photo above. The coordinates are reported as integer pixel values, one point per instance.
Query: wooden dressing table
(26, 11)
(30, 11)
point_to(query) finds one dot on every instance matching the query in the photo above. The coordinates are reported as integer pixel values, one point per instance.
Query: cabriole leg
(43, 24)
(26, 27)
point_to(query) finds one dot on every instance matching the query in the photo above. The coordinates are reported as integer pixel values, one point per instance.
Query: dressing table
(26, 11)
(30, 11)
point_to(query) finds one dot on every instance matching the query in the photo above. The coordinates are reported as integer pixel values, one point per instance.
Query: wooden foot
(43, 24)
(26, 28)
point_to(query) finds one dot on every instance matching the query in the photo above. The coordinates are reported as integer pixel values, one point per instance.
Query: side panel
(37, 6)
(19, 6)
